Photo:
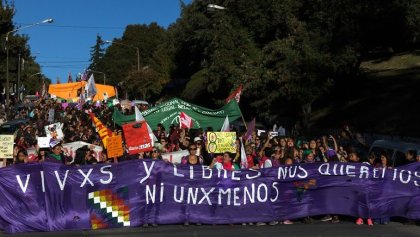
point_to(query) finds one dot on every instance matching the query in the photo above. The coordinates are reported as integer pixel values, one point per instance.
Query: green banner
(168, 113)
(120, 119)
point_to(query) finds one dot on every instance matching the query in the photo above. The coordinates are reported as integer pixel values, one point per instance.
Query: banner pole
(244, 122)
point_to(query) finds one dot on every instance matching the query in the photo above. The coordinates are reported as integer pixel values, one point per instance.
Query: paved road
(317, 229)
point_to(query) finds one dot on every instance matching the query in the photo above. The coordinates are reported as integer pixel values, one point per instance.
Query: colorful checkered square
(110, 208)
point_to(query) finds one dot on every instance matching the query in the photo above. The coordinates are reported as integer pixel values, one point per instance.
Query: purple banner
(53, 197)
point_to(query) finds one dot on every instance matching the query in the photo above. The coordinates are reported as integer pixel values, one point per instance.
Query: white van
(395, 150)
(141, 102)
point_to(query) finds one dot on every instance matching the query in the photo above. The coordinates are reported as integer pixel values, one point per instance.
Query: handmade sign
(54, 131)
(69, 149)
(175, 157)
(220, 142)
(114, 148)
(6, 146)
(51, 115)
(44, 142)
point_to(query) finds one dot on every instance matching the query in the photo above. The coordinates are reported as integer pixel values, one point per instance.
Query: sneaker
(335, 219)
(308, 220)
(273, 223)
(409, 222)
(327, 218)
(359, 221)
(369, 222)
(186, 223)
(260, 223)
(288, 222)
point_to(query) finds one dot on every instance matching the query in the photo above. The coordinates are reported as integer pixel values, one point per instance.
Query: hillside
(385, 99)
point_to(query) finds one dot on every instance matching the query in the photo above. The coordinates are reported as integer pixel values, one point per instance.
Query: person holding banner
(56, 155)
(224, 163)
(192, 158)
(21, 157)
(41, 153)
(156, 154)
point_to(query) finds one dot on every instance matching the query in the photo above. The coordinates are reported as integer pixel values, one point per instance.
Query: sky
(63, 47)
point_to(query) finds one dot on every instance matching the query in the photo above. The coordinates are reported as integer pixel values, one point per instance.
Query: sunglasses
(154, 151)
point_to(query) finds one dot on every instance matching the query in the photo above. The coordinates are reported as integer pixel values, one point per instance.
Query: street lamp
(49, 20)
(128, 45)
(99, 72)
(214, 6)
(34, 74)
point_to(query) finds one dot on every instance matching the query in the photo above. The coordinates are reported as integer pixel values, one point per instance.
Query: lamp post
(99, 72)
(215, 7)
(128, 45)
(49, 20)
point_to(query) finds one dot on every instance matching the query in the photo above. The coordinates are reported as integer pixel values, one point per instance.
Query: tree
(96, 53)
(120, 58)
(144, 83)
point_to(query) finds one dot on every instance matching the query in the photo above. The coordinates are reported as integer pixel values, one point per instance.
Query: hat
(306, 152)
(196, 139)
(54, 143)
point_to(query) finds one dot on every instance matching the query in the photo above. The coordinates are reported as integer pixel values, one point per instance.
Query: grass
(395, 62)
(385, 99)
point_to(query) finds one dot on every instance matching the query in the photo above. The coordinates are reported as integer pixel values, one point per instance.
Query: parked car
(395, 150)
(10, 127)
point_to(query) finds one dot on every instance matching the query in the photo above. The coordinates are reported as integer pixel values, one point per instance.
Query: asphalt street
(298, 229)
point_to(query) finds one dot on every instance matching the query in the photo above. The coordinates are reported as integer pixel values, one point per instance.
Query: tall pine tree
(96, 53)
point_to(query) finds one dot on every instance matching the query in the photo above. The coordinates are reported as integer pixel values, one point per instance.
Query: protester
(261, 151)
(192, 158)
(56, 154)
(22, 157)
(384, 164)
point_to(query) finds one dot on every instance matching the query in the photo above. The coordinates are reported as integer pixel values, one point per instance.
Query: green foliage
(120, 60)
(17, 45)
(287, 54)
(96, 53)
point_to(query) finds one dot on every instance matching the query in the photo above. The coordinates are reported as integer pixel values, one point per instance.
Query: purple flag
(250, 129)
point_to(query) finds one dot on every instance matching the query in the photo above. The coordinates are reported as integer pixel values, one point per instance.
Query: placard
(137, 137)
(51, 115)
(43, 142)
(114, 146)
(220, 142)
(54, 131)
(175, 157)
(6, 146)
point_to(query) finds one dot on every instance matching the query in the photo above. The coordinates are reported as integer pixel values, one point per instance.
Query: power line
(84, 61)
(64, 66)
(59, 57)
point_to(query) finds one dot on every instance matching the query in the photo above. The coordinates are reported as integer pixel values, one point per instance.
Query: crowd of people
(262, 150)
